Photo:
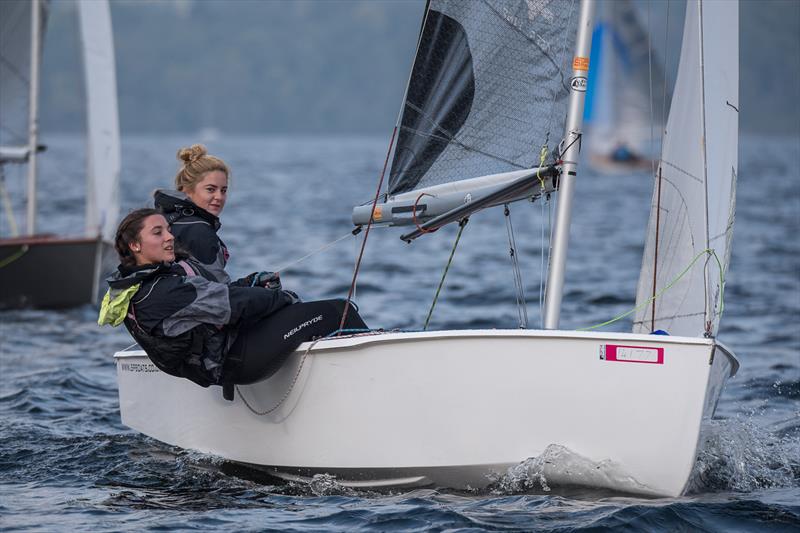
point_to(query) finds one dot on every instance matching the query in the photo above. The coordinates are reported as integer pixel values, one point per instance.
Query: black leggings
(262, 348)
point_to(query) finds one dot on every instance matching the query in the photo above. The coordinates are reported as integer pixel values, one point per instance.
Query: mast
(572, 144)
(33, 122)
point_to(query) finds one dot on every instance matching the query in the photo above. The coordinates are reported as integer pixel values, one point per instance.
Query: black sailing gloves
(268, 280)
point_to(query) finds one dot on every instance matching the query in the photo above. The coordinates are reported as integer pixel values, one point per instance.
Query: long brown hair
(128, 233)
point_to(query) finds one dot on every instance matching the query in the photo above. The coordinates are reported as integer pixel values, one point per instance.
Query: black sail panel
(488, 90)
(438, 102)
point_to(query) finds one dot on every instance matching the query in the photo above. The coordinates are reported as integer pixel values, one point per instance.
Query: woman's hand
(293, 295)
(268, 280)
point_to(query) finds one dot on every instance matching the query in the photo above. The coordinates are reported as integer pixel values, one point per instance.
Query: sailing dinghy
(26, 261)
(456, 409)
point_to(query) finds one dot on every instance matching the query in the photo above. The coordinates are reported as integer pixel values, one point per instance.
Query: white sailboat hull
(452, 408)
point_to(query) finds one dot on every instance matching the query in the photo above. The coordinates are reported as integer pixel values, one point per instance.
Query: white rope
(288, 391)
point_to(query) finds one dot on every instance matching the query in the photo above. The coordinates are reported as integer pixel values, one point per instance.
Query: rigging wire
(321, 249)
(461, 225)
(550, 229)
(543, 265)
(355, 260)
(366, 233)
(650, 87)
(522, 310)
(657, 176)
(664, 88)
(397, 125)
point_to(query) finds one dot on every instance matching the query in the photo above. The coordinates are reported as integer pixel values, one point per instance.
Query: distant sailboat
(455, 408)
(625, 92)
(26, 262)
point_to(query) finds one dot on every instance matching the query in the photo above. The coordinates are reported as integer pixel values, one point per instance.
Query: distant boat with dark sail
(27, 260)
(492, 114)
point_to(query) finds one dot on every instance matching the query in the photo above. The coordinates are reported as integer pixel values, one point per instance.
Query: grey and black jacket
(195, 231)
(186, 322)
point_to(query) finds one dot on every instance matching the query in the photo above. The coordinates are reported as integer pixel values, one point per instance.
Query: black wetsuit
(267, 344)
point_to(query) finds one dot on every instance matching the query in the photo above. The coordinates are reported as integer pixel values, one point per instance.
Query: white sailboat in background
(454, 408)
(26, 261)
(624, 113)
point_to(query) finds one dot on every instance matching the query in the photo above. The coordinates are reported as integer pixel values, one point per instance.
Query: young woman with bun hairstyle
(194, 327)
(193, 209)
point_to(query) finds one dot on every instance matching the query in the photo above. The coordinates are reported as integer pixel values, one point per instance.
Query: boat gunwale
(360, 340)
(49, 239)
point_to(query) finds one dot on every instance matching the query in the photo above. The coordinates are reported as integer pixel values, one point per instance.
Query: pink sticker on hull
(632, 354)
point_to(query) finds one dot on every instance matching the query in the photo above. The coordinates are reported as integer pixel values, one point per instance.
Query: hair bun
(192, 154)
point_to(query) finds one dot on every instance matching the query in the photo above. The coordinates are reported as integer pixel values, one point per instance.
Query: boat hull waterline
(453, 408)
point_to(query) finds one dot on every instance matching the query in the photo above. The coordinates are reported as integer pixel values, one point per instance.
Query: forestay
(103, 147)
(694, 198)
(488, 90)
(15, 70)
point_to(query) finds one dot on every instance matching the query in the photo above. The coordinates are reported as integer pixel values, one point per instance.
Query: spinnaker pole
(569, 157)
(33, 120)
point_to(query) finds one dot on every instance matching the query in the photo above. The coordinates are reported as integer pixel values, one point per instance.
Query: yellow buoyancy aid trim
(114, 308)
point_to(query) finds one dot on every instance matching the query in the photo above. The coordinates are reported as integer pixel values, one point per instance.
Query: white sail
(694, 196)
(103, 150)
(15, 71)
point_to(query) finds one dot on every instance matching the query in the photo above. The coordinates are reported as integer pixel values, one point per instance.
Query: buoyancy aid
(195, 231)
(184, 321)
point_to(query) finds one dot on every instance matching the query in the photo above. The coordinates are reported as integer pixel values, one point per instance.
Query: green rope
(707, 251)
(13, 257)
(542, 156)
(461, 225)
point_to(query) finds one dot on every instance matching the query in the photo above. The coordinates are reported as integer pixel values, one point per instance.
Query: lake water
(68, 463)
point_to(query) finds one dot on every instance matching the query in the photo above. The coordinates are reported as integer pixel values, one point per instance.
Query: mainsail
(694, 198)
(625, 93)
(15, 71)
(102, 120)
(487, 92)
